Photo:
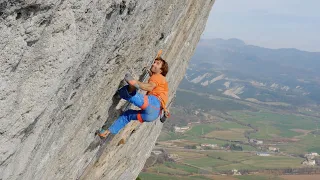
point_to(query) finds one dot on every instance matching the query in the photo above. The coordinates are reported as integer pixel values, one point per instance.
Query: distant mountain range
(257, 59)
(233, 68)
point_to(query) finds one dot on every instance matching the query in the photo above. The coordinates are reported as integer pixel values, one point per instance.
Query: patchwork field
(234, 135)
(159, 176)
(156, 176)
(301, 177)
(291, 133)
(308, 143)
(273, 125)
(207, 164)
(226, 161)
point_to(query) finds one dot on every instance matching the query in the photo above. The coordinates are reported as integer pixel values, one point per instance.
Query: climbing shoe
(102, 133)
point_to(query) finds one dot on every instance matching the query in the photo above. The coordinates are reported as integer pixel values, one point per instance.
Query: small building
(181, 129)
(209, 145)
(309, 162)
(236, 172)
(196, 112)
(263, 154)
(173, 156)
(274, 149)
(257, 142)
(312, 154)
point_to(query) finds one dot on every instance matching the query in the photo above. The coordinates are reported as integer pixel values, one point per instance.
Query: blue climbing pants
(149, 104)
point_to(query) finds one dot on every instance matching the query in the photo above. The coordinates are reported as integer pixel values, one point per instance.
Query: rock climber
(151, 104)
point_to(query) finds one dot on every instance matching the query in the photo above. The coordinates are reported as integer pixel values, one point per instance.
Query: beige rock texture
(62, 62)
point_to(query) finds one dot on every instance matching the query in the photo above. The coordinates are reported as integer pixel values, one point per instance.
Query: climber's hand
(167, 113)
(130, 80)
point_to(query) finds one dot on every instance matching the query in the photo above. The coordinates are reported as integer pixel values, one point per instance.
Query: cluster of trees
(234, 147)
(190, 147)
(317, 159)
(295, 171)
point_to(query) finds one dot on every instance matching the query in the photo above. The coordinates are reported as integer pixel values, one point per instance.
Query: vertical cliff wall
(61, 64)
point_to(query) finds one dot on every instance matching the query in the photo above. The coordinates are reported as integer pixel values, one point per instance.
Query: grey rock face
(61, 64)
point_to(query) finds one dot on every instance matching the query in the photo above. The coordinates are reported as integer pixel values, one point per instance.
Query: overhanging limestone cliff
(61, 63)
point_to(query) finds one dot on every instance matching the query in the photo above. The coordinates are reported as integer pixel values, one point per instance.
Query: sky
(267, 23)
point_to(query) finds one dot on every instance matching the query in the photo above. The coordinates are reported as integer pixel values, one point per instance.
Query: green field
(156, 176)
(283, 121)
(234, 156)
(249, 148)
(206, 162)
(165, 136)
(198, 129)
(162, 168)
(256, 162)
(214, 162)
(171, 170)
(189, 169)
(230, 125)
(309, 143)
(203, 129)
(205, 140)
(233, 135)
(277, 162)
(223, 161)
(258, 177)
(272, 125)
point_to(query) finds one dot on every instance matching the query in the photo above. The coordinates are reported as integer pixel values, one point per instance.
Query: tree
(190, 147)
(233, 147)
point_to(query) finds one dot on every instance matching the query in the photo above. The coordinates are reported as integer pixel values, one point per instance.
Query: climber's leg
(140, 115)
(133, 97)
(123, 120)
(120, 123)
(150, 114)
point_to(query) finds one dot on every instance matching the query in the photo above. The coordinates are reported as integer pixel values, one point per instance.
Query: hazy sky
(267, 23)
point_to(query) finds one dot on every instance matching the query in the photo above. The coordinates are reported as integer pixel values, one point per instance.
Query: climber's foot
(103, 134)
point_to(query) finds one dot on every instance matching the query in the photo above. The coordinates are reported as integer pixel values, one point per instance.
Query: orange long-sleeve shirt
(161, 90)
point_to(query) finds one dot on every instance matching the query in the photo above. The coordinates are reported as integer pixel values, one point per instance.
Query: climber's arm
(140, 85)
(146, 86)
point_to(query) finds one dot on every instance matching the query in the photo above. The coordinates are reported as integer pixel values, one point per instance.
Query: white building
(274, 149)
(263, 154)
(236, 172)
(309, 162)
(311, 155)
(314, 154)
(173, 156)
(259, 142)
(181, 129)
(256, 141)
(209, 145)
